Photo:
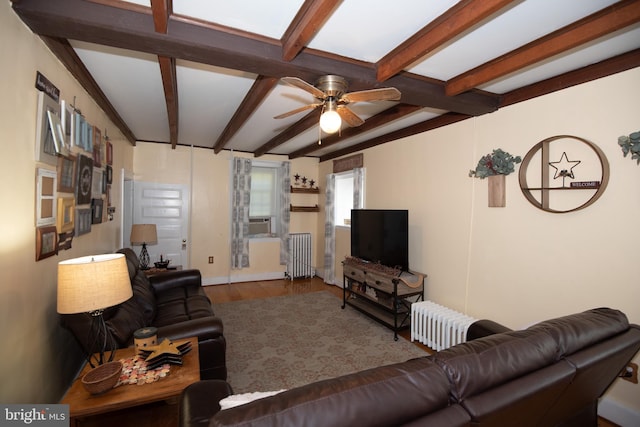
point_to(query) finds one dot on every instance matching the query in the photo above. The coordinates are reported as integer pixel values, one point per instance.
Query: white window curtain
(330, 226)
(285, 214)
(241, 201)
(330, 232)
(358, 188)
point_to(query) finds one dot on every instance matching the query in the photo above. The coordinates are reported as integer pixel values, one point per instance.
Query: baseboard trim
(618, 413)
(224, 280)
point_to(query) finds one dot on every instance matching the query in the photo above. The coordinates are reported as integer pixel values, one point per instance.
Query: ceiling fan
(331, 93)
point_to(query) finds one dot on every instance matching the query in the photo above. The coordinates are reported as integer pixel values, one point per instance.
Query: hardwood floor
(165, 414)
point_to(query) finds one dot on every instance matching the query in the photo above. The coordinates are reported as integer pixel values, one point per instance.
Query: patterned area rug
(284, 342)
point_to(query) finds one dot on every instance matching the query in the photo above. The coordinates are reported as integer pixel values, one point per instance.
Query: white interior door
(167, 206)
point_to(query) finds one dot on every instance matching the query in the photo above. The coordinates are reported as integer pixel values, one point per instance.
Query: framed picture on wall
(96, 207)
(45, 197)
(58, 134)
(97, 147)
(83, 181)
(66, 174)
(109, 172)
(66, 214)
(96, 183)
(88, 137)
(67, 115)
(78, 130)
(46, 242)
(109, 150)
(45, 145)
(82, 221)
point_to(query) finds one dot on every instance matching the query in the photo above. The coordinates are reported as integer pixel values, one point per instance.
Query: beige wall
(210, 207)
(518, 264)
(39, 358)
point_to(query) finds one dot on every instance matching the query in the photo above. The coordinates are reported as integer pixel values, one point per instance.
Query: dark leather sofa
(550, 374)
(175, 303)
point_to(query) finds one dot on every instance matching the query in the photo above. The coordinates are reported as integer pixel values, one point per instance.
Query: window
(263, 208)
(343, 202)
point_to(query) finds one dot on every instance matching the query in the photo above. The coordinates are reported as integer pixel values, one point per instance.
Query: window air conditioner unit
(259, 226)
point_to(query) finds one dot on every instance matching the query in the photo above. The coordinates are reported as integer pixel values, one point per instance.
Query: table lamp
(90, 285)
(144, 234)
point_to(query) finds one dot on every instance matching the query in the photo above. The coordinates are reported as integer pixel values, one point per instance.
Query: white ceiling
(363, 30)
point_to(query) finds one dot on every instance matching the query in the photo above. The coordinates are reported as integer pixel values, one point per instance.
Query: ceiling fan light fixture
(330, 120)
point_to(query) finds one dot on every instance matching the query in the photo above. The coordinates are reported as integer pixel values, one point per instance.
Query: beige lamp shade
(92, 283)
(144, 233)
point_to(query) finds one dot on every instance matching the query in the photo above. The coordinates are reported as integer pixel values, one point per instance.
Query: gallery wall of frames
(73, 172)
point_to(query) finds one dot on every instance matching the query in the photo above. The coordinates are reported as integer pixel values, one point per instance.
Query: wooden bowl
(103, 378)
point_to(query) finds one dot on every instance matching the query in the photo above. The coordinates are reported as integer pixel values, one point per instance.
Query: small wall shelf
(315, 208)
(305, 190)
(539, 194)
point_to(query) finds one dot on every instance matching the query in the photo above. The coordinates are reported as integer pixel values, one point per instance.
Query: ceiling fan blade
(382, 94)
(349, 116)
(301, 84)
(297, 110)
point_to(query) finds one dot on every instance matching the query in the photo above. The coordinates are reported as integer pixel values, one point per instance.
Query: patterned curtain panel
(240, 213)
(285, 201)
(358, 188)
(330, 233)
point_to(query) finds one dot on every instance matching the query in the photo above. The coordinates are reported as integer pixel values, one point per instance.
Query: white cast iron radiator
(438, 327)
(300, 256)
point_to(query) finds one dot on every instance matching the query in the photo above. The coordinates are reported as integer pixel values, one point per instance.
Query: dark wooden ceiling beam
(458, 19)
(387, 116)
(170, 85)
(305, 25)
(65, 53)
(161, 10)
(195, 41)
(259, 90)
(295, 129)
(617, 64)
(592, 27)
(436, 122)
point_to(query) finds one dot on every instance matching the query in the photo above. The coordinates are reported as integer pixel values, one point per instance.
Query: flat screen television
(381, 236)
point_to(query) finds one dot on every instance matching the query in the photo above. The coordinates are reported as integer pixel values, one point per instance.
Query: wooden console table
(82, 404)
(382, 293)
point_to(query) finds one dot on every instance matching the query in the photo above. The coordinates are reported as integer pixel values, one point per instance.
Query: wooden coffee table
(83, 404)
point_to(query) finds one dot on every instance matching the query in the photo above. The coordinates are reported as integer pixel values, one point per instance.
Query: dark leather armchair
(175, 303)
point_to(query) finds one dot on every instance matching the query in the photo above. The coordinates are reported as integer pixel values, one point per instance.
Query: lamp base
(100, 341)
(144, 258)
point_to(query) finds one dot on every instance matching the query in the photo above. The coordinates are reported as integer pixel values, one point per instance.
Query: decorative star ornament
(564, 167)
(165, 348)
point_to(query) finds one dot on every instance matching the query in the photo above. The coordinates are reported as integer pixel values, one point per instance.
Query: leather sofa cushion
(490, 361)
(387, 395)
(577, 331)
(142, 292)
(126, 319)
(181, 310)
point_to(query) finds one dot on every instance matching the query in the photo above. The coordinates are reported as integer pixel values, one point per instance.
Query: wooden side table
(82, 404)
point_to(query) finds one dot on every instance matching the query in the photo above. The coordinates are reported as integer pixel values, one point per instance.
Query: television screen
(381, 236)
